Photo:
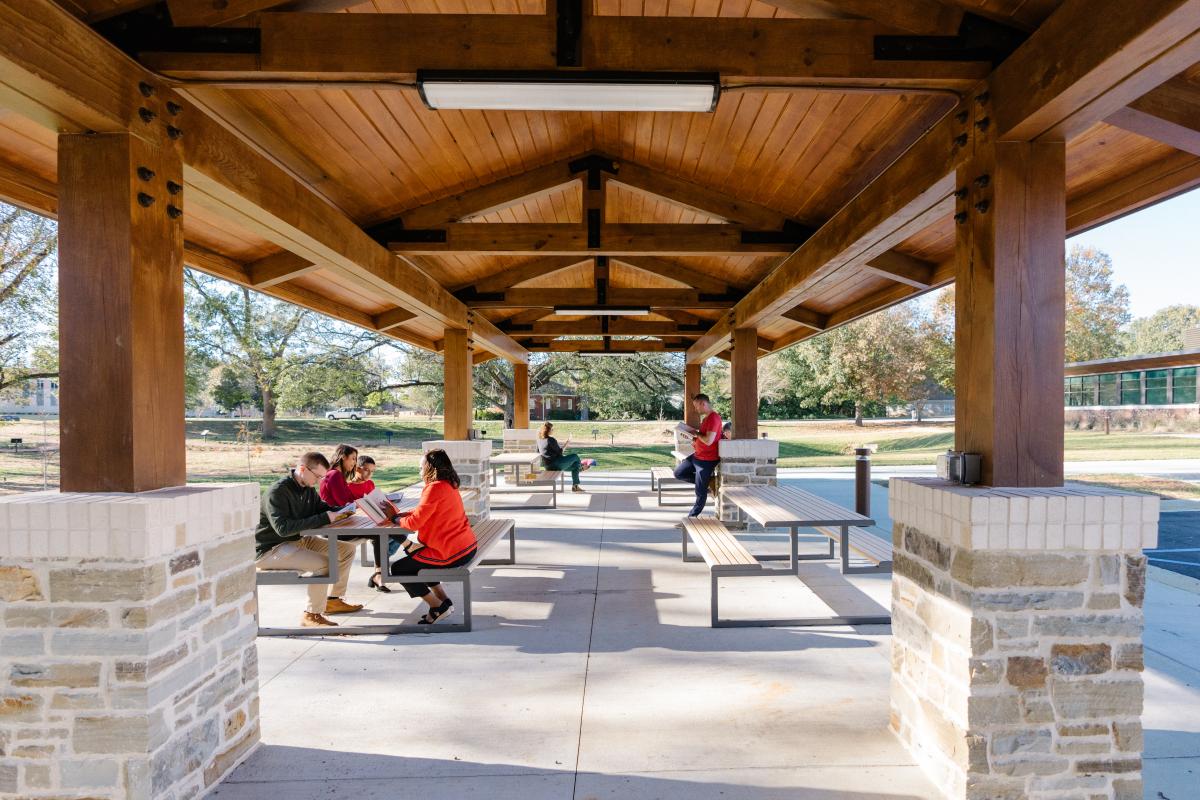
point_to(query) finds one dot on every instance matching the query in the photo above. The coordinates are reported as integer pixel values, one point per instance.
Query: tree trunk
(268, 412)
(858, 420)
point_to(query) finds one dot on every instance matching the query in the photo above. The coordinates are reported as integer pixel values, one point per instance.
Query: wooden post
(691, 388)
(520, 395)
(744, 383)
(1010, 311)
(458, 403)
(120, 273)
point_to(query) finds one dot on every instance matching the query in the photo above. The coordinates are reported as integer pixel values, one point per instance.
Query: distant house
(36, 396)
(554, 400)
(1134, 391)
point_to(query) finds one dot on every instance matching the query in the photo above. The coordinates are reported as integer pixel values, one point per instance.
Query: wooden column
(458, 403)
(691, 388)
(744, 383)
(120, 273)
(520, 395)
(1010, 311)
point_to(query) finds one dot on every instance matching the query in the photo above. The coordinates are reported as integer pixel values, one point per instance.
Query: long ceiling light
(569, 91)
(599, 353)
(601, 311)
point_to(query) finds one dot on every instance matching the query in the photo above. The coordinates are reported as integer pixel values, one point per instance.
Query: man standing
(290, 507)
(701, 464)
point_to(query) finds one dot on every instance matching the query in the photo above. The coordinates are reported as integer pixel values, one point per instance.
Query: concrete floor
(592, 673)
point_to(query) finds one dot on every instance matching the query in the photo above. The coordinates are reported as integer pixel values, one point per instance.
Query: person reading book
(289, 508)
(443, 530)
(702, 463)
(338, 490)
(553, 456)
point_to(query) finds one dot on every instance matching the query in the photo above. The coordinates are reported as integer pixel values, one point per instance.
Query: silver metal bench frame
(657, 486)
(532, 487)
(717, 571)
(460, 575)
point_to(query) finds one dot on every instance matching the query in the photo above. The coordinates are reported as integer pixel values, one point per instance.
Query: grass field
(232, 450)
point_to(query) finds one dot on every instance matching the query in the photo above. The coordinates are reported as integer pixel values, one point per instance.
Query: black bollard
(862, 480)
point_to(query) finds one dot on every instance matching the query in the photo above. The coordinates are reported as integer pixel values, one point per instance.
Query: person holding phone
(553, 456)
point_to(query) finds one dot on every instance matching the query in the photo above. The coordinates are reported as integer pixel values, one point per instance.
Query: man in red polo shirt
(701, 464)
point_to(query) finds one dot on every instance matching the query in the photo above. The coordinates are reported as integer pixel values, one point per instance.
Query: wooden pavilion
(494, 178)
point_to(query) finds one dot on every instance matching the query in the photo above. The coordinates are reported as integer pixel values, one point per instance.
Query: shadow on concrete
(301, 773)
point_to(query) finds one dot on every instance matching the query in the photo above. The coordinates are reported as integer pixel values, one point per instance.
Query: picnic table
(791, 508)
(517, 460)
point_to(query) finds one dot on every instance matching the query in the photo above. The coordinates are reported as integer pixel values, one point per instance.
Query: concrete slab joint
(128, 647)
(1017, 637)
(745, 462)
(471, 459)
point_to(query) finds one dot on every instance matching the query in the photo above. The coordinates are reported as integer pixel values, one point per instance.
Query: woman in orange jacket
(443, 531)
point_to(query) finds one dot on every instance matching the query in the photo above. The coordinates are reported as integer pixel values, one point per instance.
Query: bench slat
(863, 542)
(717, 545)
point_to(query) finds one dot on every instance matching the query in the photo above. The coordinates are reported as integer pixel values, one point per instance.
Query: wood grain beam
(601, 345)
(510, 276)
(385, 320)
(697, 197)
(1055, 86)
(392, 47)
(902, 268)
(1170, 114)
(278, 268)
(694, 278)
(596, 327)
(808, 318)
(653, 298)
(1162, 180)
(923, 17)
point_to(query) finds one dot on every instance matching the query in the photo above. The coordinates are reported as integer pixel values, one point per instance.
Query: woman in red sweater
(442, 527)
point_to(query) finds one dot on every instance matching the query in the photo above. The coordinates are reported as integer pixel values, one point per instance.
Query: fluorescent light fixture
(570, 91)
(601, 311)
(598, 353)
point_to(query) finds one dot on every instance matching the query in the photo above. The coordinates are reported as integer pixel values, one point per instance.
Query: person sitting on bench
(443, 530)
(702, 463)
(363, 471)
(289, 508)
(553, 456)
(338, 490)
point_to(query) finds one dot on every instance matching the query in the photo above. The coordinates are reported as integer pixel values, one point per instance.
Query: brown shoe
(311, 620)
(578, 488)
(336, 605)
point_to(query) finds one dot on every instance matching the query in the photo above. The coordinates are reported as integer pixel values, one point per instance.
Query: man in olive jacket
(290, 507)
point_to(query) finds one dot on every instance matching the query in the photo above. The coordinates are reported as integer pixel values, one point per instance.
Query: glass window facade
(1152, 387)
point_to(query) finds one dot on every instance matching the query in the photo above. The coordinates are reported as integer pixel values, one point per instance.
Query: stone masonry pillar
(1017, 637)
(471, 459)
(745, 462)
(128, 666)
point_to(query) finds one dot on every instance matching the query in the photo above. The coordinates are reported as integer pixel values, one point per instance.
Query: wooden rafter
(548, 298)
(218, 12)
(602, 327)
(925, 17)
(901, 268)
(1170, 114)
(393, 47)
(278, 268)
(510, 276)
(696, 197)
(684, 274)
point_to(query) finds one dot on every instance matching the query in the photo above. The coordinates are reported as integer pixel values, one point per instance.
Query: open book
(378, 507)
(343, 512)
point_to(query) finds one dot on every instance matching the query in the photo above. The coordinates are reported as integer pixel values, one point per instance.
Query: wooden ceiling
(732, 193)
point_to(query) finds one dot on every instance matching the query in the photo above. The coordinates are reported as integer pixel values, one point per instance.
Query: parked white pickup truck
(346, 413)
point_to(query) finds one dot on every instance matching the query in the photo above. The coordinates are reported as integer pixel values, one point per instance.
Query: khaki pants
(311, 554)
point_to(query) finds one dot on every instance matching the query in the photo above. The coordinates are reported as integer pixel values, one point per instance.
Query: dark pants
(567, 461)
(692, 468)
(410, 566)
(374, 544)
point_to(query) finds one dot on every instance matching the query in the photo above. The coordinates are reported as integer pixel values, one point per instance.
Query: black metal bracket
(725, 297)
(791, 233)
(978, 39)
(470, 293)
(150, 28)
(419, 236)
(593, 163)
(593, 228)
(569, 24)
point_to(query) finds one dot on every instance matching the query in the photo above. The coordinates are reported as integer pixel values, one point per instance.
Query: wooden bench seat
(487, 533)
(871, 547)
(662, 479)
(724, 555)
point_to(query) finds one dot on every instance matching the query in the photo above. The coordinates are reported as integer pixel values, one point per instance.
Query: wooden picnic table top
(772, 506)
(515, 459)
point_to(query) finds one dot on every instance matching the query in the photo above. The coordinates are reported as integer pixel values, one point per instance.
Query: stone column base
(471, 459)
(1016, 637)
(128, 654)
(745, 462)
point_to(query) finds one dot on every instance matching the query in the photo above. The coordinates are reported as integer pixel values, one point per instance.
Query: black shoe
(437, 613)
(380, 586)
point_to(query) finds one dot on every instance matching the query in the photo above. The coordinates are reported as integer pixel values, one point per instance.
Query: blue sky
(1155, 252)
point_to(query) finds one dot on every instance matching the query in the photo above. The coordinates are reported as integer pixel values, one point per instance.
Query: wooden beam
(604, 346)
(555, 238)
(597, 326)
(743, 377)
(520, 396)
(924, 17)
(808, 318)
(459, 397)
(509, 276)
(278, 268)
(1052, 90)
(902, 268)
(499, 194)
(652, 298)
(1170, 114)
(691, 388)
(21, 188)
(197, 13)
(84, 83)
(120, 293)
(1162, 180)
(699, 198)
(385, 320)
(392, 47)
(677, 272)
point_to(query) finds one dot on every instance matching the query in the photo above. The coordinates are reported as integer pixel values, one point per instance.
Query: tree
(28, 297)
(642, 386)
(1097, 309)
(230, 391)
(493, 380)
(330, 381)
(1162, 331)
